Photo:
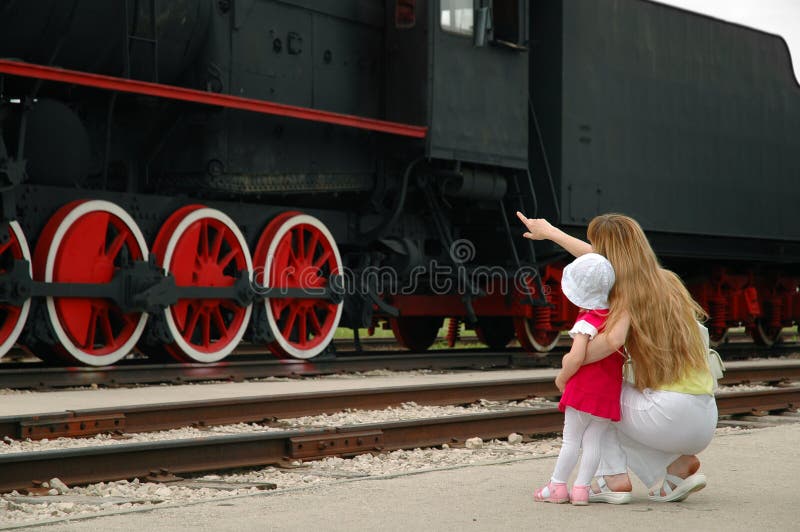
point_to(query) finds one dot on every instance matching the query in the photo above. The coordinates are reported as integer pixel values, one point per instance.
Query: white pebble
(163, 491)
(474, 443)
(58, 485)
(514, 438)
(66, 506)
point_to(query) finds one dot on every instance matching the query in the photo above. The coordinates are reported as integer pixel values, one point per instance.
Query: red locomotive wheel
(297, 251)
(495, 331)
(203, 247)
(765, 335)
(532, 340)
(416, 333)
(717, 337)
(87, 241)
(12, 318)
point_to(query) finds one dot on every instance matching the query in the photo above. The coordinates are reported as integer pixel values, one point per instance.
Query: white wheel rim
(271, 319)
(177, 336)
(74, 350)
(536, 345)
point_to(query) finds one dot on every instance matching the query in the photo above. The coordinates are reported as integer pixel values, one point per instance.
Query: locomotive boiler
(181, 176)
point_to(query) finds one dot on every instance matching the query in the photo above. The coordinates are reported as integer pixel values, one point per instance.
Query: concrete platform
(752, 486)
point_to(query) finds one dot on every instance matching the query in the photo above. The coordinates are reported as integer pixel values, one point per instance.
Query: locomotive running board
(99, 81)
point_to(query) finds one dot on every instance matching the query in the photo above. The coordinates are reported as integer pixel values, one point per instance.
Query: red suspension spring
(542, 315)
(453, 331)
(775, 313)
(718, 318)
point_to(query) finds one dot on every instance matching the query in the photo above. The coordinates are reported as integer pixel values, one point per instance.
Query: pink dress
(596, 387)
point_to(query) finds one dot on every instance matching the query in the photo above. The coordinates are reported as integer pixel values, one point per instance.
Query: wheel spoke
(229, 256)
(128, 319)
(108, 332)
(88, 339)
(302, 327)
(287, 329)
(323, 259)
(10, 310)
(299, 247)
(229, 305)
(203, 249)
(5, 246)
(219, 322)
(286, 246)
(323, 304)
(116, 246)
(216, 247)
(312, 245)
(278, 304)
(193, 314)
(206, 324)
(315, 321)
(103, 230)
(187, 251)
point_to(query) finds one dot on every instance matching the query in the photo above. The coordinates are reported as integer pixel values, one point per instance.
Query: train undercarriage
(100, 279)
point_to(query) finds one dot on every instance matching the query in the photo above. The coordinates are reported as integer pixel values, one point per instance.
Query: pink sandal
(579, 495)
(555, 492)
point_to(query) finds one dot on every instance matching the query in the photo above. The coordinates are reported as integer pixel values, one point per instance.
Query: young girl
(590, 393)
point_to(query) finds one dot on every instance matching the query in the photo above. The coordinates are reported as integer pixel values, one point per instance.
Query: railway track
(145, 418)
(252, 363)
(163, 460)
(251, 366)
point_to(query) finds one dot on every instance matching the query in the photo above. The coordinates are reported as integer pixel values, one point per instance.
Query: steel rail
(747, 372)
(163, 416)
(237, 368)
(253, 363)
(19, 471)
(758, 401)
(145, 418)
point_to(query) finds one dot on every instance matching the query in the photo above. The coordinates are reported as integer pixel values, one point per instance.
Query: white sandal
(606, 495)
(683, 487)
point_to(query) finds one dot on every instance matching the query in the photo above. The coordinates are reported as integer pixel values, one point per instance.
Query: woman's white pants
(656, 428)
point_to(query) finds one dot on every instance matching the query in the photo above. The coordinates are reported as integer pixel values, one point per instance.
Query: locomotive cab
(461, 67)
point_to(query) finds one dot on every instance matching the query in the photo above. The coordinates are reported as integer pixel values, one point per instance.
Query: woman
(669, 415)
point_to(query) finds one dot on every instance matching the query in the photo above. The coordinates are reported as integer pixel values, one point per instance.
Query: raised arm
(540, 229)
(608, 341)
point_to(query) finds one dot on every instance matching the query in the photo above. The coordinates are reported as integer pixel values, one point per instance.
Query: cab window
(457, 16)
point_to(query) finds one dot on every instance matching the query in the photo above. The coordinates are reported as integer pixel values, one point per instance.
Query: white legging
(656, 428)
(581, 430)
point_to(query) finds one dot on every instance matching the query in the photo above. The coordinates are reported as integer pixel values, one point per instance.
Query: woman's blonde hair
(664, 340)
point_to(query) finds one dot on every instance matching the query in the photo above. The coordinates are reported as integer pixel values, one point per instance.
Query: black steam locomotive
(179, 175)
